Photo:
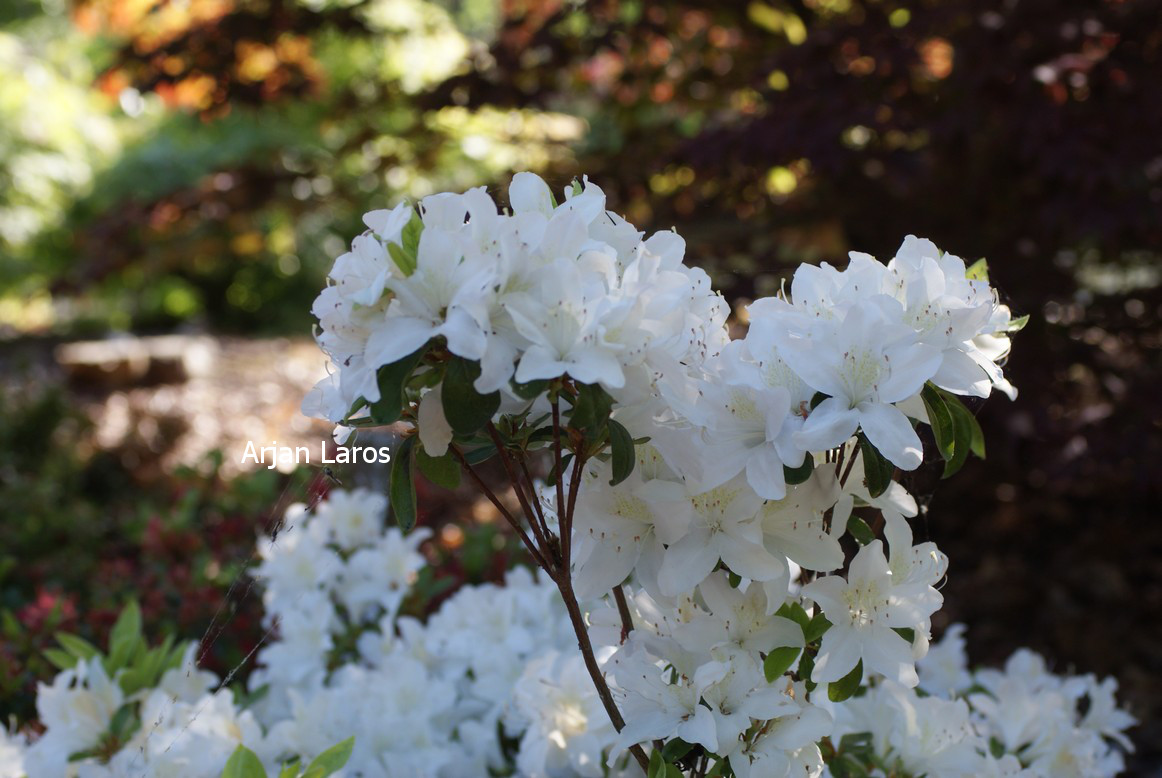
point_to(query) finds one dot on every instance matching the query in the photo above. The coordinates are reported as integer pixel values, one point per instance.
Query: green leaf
(243, 763)
(290, 769)
(466, 409)
(860, 530)
(391, 379)
(779, 661)
(806, 667)
(442, 471)
(577, 189)
(798, 475)
(62, 660)
(940, 419)
(676, 749)
(963, 423)
(125, 722)
(331, 760)
(657, 768)
(412, 232)
(734, 579)
(956, 406)
(622, 453)
(127, 629)
(530, 390)
(816, 628)
(672, 771)
(402, 488)
(794, 611)
(877, 471)
(907, 633)
(846, 686)
(817, 398)
(590, 409)
(478, 455)
(403, 260)
(977, 271)
(1018, 324)
(78, 647)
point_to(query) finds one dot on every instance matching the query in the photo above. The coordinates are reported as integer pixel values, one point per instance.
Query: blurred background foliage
(195, 165)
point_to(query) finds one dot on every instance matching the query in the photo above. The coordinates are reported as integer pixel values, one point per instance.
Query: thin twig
(540, 560)
(565, 532)
(547, 549)
(567, 523)
(623, 611)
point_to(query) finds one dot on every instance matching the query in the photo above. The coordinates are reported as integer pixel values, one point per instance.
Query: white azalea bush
(723, 518)
(492, 684)
(728, 583)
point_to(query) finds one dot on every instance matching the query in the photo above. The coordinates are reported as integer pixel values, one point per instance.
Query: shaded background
(190, 168)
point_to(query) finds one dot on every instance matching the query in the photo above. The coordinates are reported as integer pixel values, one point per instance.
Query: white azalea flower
(717, 524)
(865, 362)
(864, 611)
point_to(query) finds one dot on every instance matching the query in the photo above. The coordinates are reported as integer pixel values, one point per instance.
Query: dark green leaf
(590, 409)
(124, 722)
(675, 749)
(907, 633)
(806, 667)
(877, 471)
(816, 628)
(622, 456)
(391, 379)
(331, 760)
(402, 489)
(860, 530)
(243, 763)
(672, 771)
(531, 390)
(442, 471)
(940, 419)
(794, 611)
(798, 475)
(734, 579)
(957, 407)
(817, 398)
(551, 478)
(847, 685)
(779, 661)
(465, 408)
(478, 455)
(962, 423)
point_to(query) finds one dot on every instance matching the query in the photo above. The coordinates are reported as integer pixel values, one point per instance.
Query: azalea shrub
(726, 580)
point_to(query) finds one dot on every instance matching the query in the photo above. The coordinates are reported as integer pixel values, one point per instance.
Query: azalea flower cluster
(492, 684)
(735, 501)
(532, 294)
(1019, 721)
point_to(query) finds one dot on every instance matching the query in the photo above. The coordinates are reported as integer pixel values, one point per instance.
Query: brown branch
(623, 611)
(566, 540)
(565, 584)
(533, 497)
(547, 548)
(540, 560)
